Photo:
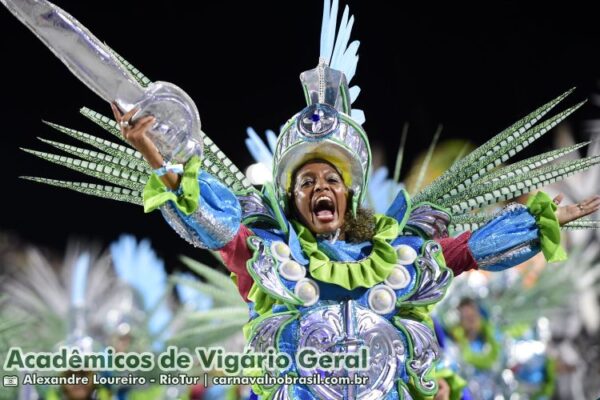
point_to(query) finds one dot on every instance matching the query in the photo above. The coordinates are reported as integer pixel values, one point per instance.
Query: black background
(475, 70)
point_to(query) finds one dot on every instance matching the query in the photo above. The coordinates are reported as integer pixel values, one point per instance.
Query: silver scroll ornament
(176, 133)
(345, 328)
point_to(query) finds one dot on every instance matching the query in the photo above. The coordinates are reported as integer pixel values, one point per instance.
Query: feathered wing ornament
(479, 179)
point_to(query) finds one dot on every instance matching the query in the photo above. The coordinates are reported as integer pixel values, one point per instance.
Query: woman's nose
(321, 184)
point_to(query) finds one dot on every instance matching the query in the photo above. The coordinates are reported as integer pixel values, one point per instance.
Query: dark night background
(474, 70)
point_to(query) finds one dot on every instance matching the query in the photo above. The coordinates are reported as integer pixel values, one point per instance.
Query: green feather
(93, 189)
(214, 160)
(469, 222)
(220, 296)
(220, 313)
(582, 224)
(400, 155)
(463, 169)
(460, 154)
(530, 164)
(209, 274)
(427, 160)
(100, 170)
(455, 229)
(495, 191)
(112, 148)
(505, 150)
(103, 121)
(471, 218)
(94, 156)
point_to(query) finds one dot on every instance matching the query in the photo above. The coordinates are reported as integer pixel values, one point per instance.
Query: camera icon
(10, 381)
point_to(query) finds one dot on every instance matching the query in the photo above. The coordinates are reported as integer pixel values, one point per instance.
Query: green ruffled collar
(364, 273)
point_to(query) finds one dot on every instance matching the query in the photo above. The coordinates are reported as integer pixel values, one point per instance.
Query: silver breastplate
(345, 328)
(399, 348)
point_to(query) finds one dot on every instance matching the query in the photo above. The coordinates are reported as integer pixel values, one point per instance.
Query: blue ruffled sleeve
(508, 240)
(210, 224)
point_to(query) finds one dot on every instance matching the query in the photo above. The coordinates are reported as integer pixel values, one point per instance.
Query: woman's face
(320, 196)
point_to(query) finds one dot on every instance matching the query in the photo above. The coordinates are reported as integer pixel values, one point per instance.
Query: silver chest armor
(398, 347)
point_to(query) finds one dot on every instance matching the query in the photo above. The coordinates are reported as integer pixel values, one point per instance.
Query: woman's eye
(306, 183)
(333, 179)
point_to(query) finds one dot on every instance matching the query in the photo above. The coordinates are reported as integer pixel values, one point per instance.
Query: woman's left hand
(566, 214)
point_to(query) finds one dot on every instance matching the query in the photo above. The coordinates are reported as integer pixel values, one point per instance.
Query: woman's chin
(325, 228)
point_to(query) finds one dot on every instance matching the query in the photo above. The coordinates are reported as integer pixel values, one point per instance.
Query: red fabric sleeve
(457, 253)
(235, 254)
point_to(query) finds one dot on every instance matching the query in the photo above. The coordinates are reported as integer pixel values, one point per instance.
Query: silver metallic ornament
(176, 133)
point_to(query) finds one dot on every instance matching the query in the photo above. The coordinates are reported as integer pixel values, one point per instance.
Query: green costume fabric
(156, 193)
(543, 209)
(262, 301)
(350, 275)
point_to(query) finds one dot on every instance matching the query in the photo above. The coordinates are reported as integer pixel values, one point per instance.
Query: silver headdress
(328, 128)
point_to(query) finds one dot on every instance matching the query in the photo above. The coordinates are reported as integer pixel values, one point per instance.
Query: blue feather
(324, 29)
(272, 140)
(358, 116)
(331, 34)
(381, 191)
(258, 149)
(335, 49)
(354, 92)
(342, 39)
(260, 152)
(79, 282)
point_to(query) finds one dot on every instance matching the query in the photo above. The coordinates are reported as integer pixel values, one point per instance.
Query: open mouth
(324, 209)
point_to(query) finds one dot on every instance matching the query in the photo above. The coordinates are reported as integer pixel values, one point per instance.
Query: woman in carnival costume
(316, 269)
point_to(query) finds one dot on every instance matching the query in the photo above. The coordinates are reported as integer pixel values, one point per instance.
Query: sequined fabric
(508, 240)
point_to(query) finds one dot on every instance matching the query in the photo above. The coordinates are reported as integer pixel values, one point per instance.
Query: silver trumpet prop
(176, 133)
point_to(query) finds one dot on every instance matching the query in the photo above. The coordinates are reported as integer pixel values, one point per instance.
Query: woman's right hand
(136, 135)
